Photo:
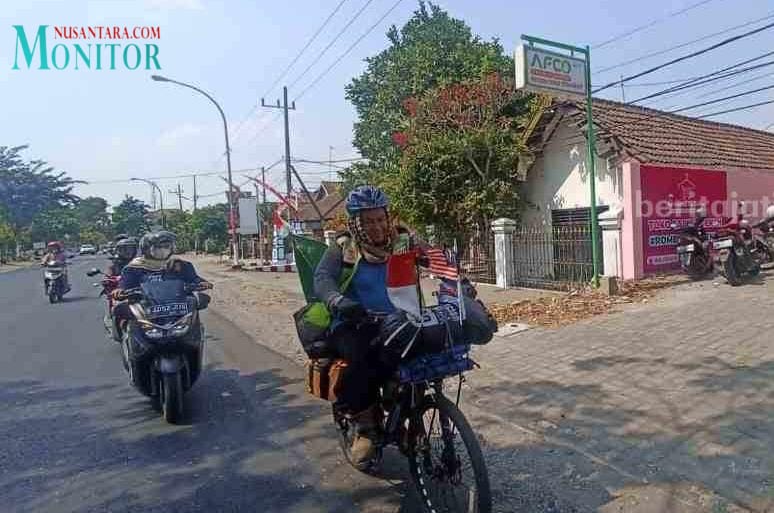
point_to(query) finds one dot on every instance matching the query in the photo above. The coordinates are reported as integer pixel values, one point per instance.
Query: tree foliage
(28, 188)
(431, 50)
(211, 224)
(460, 153)
(130, 217)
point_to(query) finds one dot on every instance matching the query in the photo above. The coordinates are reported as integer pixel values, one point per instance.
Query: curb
(287, 268)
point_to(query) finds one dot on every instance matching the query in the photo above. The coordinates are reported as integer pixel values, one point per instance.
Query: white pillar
(503, 233)
(610, 224)
(330, 237)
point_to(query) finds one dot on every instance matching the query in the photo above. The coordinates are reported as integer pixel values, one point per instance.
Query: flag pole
(460, 303)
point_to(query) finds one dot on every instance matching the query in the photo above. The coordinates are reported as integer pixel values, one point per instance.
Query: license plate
(685, 249)
(727, 243)
(167, 309)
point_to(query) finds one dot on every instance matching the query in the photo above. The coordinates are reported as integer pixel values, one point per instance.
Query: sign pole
(559, 74)
(590, 163)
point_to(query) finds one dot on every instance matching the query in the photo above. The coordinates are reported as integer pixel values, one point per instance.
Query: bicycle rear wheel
(446, 462)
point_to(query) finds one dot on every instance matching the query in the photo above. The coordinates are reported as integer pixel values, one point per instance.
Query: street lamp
(161, 198)
(231, 214)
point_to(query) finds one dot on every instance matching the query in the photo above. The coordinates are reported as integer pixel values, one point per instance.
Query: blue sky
(112, 125)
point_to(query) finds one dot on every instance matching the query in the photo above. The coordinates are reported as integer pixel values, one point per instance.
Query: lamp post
(231, 215)
(161, 198)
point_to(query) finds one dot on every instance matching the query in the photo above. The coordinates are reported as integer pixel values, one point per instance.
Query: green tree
(56, 224)
(211, 224)
(89, 235)
(28, 188)
(179, 222)
(130, 217)
(431, 50)
(460, 154)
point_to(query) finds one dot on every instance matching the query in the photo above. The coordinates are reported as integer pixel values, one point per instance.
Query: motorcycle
(693, 249)
(163, 341)
(109, 284)
(445, 459)
(734, 257)
(54, 280)
(763, 240)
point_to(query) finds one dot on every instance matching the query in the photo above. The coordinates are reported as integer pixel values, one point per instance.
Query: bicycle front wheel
(446, 462)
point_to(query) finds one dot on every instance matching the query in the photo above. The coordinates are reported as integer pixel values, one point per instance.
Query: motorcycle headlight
(182, 326)
(151, 331)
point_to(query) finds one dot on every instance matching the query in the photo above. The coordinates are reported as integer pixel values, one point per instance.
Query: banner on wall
(672, 195)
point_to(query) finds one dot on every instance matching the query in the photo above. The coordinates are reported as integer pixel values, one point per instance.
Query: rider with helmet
(55, 253)
(363, 250)
(154, 263)
(124, 252)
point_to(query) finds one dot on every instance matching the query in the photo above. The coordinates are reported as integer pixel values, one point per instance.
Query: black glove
(348, 308)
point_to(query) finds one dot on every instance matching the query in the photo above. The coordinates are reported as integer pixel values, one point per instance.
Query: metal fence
(478, 257)
(558, 257)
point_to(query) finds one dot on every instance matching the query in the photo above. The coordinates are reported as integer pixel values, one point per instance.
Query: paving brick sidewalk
(663, 407)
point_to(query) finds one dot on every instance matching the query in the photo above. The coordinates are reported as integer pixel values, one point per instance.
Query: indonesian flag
(402, 283)
(277, 220)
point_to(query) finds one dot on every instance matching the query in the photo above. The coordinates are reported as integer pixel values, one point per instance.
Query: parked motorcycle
(693, 249)
(163, 343)
(756, 242)
(109, 284)
(54, 280)
(733, 245)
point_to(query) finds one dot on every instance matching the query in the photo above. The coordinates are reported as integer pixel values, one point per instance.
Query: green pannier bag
(313, 320)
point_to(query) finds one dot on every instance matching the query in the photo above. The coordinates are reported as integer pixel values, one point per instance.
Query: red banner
(673, 194)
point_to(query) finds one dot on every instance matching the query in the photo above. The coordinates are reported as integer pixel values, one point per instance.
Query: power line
(285, 71)
(682, 45)
(710, 77)
(708, 82)
(718, 100)
(686, 57)
(171, 177)
(306, 46)
(733, 86)
(351, 47)
(650, 24)
(336, 38)
(746, 107)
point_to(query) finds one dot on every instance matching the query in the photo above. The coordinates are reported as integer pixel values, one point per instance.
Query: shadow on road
(253, 444)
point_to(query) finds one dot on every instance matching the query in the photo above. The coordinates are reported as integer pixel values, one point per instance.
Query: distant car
(88, 249)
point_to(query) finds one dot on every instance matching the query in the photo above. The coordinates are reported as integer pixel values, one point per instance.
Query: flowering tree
(460, 150)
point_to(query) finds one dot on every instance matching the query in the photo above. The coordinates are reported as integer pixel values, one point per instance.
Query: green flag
(308, 253)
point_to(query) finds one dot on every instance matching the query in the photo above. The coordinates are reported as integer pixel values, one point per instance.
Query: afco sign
(548, 72)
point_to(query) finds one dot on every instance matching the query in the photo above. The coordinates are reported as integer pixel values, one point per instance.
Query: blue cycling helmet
(366, 197)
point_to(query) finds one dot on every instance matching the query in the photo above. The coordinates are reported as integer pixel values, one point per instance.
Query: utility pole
(260, 223)
(285, 107)
(330, 162)
(623, 92)
(179, 194)
(195, 197)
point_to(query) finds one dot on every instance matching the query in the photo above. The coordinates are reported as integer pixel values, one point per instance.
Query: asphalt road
(75, 437)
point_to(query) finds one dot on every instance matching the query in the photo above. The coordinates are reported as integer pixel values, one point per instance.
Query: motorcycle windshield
(166, 298)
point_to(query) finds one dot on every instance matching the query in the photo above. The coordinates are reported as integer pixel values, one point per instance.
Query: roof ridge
(682, 117)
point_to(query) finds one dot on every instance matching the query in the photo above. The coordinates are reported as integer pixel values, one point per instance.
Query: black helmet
(155, 245)
(120, 237)
(126, 249)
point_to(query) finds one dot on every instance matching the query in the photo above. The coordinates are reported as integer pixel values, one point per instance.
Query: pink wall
(631, 227)
(754, 187)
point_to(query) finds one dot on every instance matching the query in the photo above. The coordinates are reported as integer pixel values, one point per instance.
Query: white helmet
(770, 212)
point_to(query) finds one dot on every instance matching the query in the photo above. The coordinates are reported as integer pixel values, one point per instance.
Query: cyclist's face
(376, 225)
